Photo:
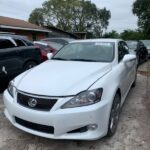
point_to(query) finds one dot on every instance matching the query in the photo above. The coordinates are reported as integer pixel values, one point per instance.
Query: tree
(141, 8)
(113, 34)
(36, 17)
(74, 16)
(132, 35)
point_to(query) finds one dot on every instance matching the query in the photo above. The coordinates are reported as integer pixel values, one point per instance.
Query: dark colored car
(16, 55)
(147, 44)
(138, 48)
(19, 40)
(47, 47)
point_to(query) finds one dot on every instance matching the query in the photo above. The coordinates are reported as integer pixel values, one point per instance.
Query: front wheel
(29, 65)
(114, 115)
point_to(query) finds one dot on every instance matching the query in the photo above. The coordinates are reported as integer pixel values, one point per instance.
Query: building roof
(62, 32)
(11, 23)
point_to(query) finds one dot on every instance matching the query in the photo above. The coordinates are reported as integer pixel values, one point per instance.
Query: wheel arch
(117, 91)
(29, 60)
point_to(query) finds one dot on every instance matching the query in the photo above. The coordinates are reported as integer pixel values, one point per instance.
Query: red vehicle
(47, 47)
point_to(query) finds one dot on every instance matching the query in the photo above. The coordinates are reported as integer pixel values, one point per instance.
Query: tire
(138, 60)
(134, 83)
(146, 59)
(29, 65)
(114, 115)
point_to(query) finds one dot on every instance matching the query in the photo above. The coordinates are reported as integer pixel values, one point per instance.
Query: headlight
(11, 88)
(84, 99)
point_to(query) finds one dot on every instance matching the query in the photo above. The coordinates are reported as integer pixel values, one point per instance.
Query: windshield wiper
(60, 59)
(88, 60)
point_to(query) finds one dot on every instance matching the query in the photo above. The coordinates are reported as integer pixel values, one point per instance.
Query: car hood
(61, 78)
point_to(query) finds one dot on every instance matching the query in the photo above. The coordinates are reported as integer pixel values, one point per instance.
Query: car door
(124, 69)
(144, 52)
(4, 67)
(9, 63)
(131, 65)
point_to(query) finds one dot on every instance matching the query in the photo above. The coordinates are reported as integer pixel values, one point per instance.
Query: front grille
(34, 126)
(43, 104)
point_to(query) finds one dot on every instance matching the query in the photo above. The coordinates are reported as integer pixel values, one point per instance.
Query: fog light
(92, 127)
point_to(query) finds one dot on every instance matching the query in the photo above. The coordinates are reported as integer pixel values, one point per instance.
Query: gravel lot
(133, 131)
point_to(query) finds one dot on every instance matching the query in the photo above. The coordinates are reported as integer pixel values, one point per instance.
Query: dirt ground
(133, 132)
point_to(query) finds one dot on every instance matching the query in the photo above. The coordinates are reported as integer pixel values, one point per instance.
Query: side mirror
(129, 57)
(49, 55)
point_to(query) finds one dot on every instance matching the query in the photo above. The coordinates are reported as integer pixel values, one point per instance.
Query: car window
(4, 43)
(87, 51)
(132, 44)
(122, 50)
(55, 45)
(19, 42)
(28, 43)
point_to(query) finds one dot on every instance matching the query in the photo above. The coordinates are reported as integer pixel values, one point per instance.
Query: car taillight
(42, 53)
(38, 50)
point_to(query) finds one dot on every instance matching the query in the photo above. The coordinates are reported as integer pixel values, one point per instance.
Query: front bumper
(63, 120)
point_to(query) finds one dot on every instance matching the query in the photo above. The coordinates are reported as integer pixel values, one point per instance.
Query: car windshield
(146, 43)
(55, 45)
(42, 46)
(87, 51)
(132, 44)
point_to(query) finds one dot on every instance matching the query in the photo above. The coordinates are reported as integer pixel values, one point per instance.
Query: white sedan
(77, 94)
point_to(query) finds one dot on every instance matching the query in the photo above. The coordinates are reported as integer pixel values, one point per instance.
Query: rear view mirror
(129, 57)
(49, 55)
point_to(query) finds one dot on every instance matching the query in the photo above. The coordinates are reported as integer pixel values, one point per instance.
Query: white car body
(63, 80)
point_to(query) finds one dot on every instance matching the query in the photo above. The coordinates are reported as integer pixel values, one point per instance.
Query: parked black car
(16, 55)
(139, 49)
(147, 44)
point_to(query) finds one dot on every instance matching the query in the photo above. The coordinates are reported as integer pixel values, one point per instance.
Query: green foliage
(36, 17)
(73, 16)
(125, 35)
(113, 34)
(132, 35)
(141, 8)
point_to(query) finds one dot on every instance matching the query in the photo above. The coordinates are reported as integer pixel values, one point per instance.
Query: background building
(21, 27)
(32, 31)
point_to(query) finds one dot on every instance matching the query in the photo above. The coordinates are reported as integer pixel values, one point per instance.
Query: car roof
(41, 42)
(4, 37)
(59, 40)
(97, 40)
(62, 38)
(145, 40)
(13, 36)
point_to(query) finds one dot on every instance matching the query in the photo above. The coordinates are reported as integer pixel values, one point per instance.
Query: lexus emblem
(32, 102)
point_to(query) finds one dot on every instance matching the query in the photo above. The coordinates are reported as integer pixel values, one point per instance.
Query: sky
(121, 11)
